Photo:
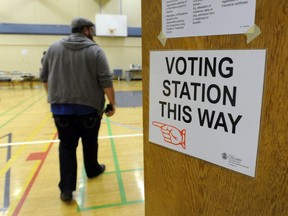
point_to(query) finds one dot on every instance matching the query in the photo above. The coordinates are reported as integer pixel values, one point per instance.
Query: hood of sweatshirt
(77, 41)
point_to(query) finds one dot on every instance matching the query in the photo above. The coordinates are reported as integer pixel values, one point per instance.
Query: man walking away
(76, 75)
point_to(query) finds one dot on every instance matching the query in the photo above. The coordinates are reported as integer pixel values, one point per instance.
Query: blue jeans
(70, 128)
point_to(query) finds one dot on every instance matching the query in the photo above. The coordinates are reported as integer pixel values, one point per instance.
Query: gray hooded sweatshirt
(77, 71)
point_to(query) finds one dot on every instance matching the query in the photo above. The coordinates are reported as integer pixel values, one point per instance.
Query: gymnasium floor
(29, 169)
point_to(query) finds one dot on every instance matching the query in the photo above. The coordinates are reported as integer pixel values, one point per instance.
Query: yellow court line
(37, 129)
(19, 151)
(18, 196)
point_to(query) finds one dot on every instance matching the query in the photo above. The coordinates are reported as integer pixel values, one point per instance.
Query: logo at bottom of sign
(233, 160)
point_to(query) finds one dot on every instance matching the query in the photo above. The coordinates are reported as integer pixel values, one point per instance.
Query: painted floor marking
(118, 172)
(56, 140)
(41, 156)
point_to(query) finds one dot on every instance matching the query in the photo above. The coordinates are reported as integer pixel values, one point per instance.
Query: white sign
(207, 104)
(182, 18)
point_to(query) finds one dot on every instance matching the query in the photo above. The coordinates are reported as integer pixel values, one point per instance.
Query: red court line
(37, 156)
(34, 156)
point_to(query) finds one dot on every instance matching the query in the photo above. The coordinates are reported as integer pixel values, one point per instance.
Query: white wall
(120, 51)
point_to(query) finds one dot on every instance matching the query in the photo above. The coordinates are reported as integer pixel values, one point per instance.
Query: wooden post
(180, 185)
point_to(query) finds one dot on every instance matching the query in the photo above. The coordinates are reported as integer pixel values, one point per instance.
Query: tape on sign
(252, 33)
(162, 38)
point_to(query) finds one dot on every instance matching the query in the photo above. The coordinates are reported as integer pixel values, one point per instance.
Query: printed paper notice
(183, 18)
(207, 104)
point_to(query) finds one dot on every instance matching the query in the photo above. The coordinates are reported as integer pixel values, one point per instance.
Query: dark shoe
(103, 167)
(101, 170)
(66, 196)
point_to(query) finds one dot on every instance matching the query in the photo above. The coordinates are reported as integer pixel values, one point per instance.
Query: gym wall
(23, 51)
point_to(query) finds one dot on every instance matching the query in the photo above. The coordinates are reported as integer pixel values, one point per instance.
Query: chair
(118, 73)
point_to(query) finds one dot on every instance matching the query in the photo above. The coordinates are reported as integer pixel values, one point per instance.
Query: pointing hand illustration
(172, 134)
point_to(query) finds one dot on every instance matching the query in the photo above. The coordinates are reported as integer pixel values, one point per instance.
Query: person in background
(42, 59)
(76, 76)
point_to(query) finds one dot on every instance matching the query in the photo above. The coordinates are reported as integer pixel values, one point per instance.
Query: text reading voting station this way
(200, 92)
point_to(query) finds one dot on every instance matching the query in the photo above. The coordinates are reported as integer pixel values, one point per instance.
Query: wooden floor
(29, 169)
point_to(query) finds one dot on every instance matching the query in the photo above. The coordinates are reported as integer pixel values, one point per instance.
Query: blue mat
(129, 98)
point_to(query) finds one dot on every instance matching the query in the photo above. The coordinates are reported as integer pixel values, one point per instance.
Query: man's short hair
(79, 23)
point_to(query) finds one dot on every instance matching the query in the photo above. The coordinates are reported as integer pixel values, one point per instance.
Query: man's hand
(110, 110)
